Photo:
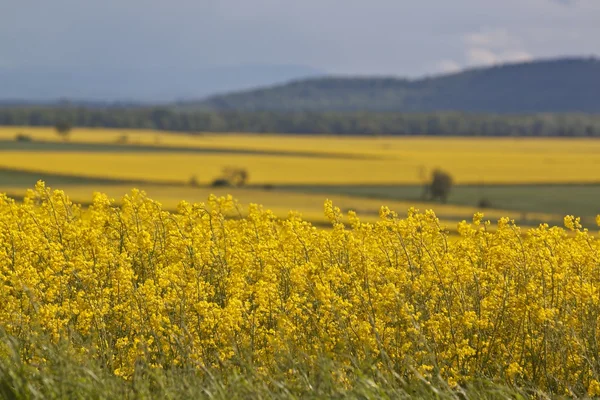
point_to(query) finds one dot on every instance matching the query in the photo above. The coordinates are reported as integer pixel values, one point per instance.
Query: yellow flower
(594, 388)
(209, 286)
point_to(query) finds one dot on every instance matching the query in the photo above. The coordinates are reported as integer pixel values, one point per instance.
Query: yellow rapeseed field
(310, 206)
(465, 167)
(321, 143)
(176, 167)
(400, 159)
(135, 285)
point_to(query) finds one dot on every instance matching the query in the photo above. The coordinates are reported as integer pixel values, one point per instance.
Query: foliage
(23, 137)
(313, 122)
(231, 176)
(134, 286)
(193, 181)
(440, 185)
(64, 376)
(235, 176)
(63, 128)
(123, 139)
(484, 202)
(220, 182)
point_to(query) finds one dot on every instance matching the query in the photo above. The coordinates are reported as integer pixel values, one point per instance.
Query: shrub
(235, 175)
(220, 182)
(193, 181)
(63, 128)
(484, 202)
(439, 187)
(23, 137)
(123, 139)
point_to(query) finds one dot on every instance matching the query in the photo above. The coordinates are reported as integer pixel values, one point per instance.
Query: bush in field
(231, 176)
(220, 182)
(235, 175)
(123, 139)
(63, 128)
(484, 202)
(440, 186)
(23, 137)
(193, 181)
(136, 288)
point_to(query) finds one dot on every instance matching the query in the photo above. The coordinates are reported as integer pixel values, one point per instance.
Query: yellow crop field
(356, 162)
(465, 167)
(319, 143)
(310, 206)
(375, 146)
(393, 160)
(174, 167)
(141, 291)
(318, 281)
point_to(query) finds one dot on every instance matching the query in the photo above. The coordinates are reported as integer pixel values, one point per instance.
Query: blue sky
(392, 37)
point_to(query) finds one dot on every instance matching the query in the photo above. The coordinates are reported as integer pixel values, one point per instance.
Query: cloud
(495, 39)
(487, 48)
(481, 56)
(493, 47)
(350, 37)
(448, 66)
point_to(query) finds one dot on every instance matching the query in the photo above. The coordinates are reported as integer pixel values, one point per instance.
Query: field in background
(310, 206)
(532, 180)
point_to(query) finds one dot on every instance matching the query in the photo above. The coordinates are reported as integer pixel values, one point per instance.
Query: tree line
(349, 123)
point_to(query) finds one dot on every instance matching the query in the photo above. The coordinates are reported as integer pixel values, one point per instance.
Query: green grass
(580, 200)
(63, 377)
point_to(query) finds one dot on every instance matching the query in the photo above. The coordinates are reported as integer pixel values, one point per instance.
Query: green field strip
(563, 199)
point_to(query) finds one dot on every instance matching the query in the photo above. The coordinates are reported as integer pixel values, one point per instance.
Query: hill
(561, 85)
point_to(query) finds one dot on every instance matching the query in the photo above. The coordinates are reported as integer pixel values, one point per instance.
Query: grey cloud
(354, 36)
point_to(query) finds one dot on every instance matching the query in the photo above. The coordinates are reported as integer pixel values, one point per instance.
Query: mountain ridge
(547, 85)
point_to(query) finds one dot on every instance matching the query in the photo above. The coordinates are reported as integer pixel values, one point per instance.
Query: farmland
(190, 289)
(305, 159)
(131, 300)
(532, 180)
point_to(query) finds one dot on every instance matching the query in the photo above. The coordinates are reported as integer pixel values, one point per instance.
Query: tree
(220, 182)
(63, 128)
(23, 137)
(440, 186)
(235, 176)
(231, 176)
(484, 202)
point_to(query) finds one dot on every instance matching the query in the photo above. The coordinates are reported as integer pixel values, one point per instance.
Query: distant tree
(235, 176)
(300, 122)
(23, 137)
(193, 181)
(440, 185)
(220, 182)
(63, 128)
(123, 139)
(484, 202)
